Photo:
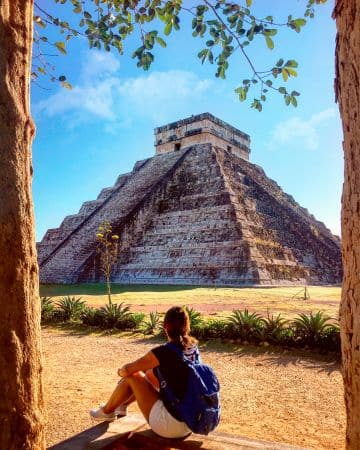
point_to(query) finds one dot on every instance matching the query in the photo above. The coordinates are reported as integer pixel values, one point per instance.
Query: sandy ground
(283, 397)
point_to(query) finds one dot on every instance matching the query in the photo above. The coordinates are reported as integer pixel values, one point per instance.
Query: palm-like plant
(194, 316)
(310, 328)
(70, 307)
(47, 308)
(113, 314)
(245, 324)
(272, 328)
(330, 340)
(152, 324)
(90, 316)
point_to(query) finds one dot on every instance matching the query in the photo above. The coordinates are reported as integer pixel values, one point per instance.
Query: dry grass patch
(286, 300)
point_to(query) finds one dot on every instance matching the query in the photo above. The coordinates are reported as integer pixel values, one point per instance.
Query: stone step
(184, 228)
(188, 253)
(133, 432)
(176, 239)
(191, 246)
(220, 212)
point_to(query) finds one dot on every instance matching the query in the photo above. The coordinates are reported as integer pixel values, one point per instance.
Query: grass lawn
(288, 300)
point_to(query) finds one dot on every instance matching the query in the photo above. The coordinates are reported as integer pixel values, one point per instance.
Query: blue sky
(88, 136)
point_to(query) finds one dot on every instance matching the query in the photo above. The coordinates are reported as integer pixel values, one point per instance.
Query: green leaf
(257, 104)
(161, 42)
(168, 28)
(61, 47)
(285, 74)
(270, 31)
(269, 42)
(293, 101)
(300, 22)
(242, 93)
(280, 63)
(282, 90)
(291, 71)
(291, 63)
(248, 3)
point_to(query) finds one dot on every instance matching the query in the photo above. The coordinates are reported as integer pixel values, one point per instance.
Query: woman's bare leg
(137, 385)
(150, 377)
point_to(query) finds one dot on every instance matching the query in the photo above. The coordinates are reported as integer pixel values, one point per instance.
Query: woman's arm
(146, 362)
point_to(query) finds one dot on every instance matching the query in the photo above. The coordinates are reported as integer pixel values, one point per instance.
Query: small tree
(107, 248)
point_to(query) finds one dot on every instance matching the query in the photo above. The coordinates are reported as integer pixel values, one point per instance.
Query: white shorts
(164, 424)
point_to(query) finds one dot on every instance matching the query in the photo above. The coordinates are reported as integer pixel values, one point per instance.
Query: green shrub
(70, 308)
(151, 325)
(113, 315)
(310, 328)
(212, 329)
(194, 316)
(91, 317)
(272, 329)
(286, 337)
(245, 325)
(47, 309)
(132, 322)
(330, 339)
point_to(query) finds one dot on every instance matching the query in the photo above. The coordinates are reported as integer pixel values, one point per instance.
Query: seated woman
(140, 384)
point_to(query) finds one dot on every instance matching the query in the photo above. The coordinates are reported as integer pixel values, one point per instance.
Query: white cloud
(103, 93)
(161, 94)
(297, 128)
(97, 65)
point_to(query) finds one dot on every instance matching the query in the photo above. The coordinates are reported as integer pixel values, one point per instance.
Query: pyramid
(198, 212)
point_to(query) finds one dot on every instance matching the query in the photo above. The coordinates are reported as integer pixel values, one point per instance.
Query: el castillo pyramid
(198, 212)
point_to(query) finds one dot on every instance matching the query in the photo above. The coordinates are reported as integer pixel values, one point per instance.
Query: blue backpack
(200, 406)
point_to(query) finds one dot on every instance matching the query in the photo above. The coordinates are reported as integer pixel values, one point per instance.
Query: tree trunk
(347, 88)
(21, 398)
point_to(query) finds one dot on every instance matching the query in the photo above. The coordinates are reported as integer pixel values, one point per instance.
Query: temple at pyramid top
(202, 129)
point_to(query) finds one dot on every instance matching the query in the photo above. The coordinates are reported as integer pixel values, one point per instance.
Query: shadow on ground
(328, 363)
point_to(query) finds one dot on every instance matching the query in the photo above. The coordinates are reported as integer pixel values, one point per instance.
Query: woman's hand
(122, 371)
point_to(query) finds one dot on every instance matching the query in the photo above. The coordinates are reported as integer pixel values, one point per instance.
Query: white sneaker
(98, 414)
(121, 411)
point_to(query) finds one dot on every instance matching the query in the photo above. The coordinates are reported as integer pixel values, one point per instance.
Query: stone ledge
(132, 432)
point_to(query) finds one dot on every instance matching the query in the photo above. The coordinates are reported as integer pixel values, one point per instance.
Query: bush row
(71, 309)
(314, 330)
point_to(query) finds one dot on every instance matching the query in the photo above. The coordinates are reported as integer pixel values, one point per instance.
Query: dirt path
(222, 308)
(279, 397)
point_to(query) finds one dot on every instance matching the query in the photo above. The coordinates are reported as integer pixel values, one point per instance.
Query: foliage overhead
(226, 27)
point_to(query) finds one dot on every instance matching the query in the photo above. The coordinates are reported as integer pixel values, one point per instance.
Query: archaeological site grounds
(199, 225)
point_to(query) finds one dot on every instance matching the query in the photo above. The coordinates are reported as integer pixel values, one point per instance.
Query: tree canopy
(226, 28)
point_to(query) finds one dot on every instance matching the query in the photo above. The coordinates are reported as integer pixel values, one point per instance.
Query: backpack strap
(176, 349)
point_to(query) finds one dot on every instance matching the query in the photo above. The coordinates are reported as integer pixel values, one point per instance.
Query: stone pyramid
(198, 212)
